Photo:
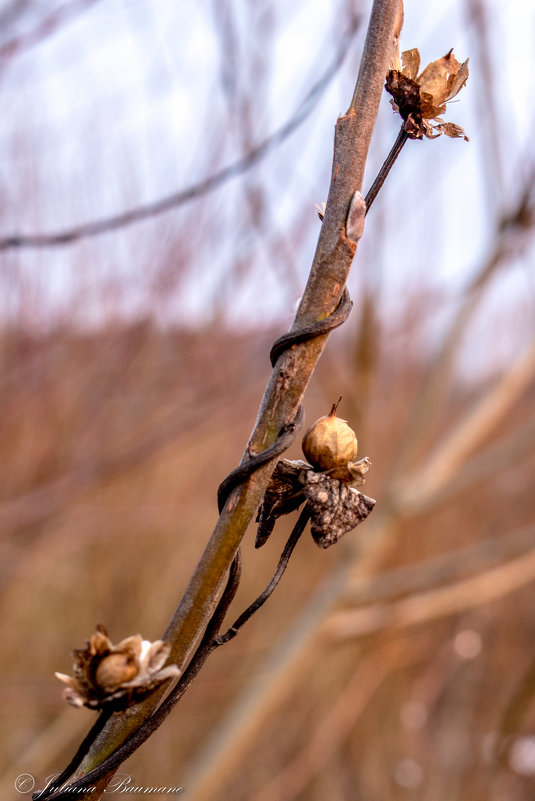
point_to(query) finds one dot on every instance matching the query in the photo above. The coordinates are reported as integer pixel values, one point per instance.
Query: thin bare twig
(293, 539)
(388, 163)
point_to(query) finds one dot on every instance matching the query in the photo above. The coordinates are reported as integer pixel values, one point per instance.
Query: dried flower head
(122, 674)
(335, 506)
(423, 97)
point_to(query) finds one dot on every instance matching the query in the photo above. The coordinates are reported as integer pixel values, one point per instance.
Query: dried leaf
(283, 495)
(335, 508)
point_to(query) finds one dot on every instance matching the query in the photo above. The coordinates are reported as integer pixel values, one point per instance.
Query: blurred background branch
(254, 154)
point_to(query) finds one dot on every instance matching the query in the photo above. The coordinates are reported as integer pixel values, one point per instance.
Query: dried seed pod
(330, 444)
(105, 674)
(114, 670)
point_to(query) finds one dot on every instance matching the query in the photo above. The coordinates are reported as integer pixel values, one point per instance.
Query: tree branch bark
(291, 374)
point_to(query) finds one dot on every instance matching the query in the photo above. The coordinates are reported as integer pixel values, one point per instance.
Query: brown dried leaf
(283, 495)
(335, 508)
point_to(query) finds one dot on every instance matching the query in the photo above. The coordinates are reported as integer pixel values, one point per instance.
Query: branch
(338, 722)
(46, 27)
(297, 530)
(421, 486)
(454, 599)
(436, 383)
(291, 375)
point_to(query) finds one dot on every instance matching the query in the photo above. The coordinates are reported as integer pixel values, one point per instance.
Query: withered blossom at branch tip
(121, 674)
(335, 507)
(326, 482)
(422, 97)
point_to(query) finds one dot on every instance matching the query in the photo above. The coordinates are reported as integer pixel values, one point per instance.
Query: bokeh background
(159, 168)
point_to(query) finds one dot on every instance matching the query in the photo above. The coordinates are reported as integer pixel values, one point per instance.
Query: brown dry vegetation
(396, 665)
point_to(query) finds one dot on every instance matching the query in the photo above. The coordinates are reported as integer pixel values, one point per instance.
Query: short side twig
(293, 539)
(385, 169)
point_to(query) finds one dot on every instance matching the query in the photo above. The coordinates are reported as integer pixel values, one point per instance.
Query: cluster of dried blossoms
(326, 482)
(422, 97)
(121, 674)
(124, 673)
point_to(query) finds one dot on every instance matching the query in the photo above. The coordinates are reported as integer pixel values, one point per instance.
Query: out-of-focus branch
(418, 488)
(338, 723)
(44, 28)
(486, 463)
(438, 379)
(220, 757)
(281, 671)
(424, 607)
(492, 169)
(455, 565)
(36, 507)
(212, 182)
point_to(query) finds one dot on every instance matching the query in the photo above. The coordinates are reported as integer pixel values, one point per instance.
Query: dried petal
(99, 642)
(156, 655)
(452, 130)
(410, 60)
(357, 471)
(433, 81)
(457, 80)
(419, 98)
